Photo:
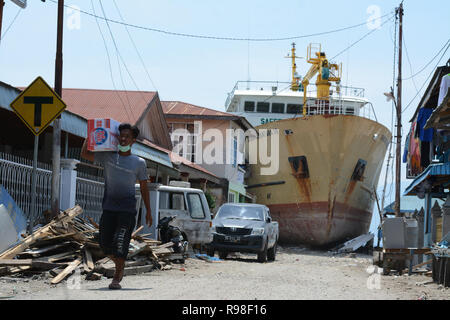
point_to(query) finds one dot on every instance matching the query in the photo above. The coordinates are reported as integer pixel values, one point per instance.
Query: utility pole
(56, 159)
(399, 11)
(2, 3)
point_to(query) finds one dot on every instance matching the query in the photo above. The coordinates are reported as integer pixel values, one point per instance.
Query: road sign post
(37, 106)
(33, 180)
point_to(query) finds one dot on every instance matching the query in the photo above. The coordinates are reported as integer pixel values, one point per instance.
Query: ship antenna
(295, 82)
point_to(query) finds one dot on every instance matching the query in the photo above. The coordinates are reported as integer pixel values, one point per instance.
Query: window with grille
(249, 106)
(262, 107)
(184, 138)
(277, 107)
(294, 108)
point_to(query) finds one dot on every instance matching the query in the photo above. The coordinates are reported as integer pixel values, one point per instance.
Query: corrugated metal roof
(123, 106)
(436, 169)
(177, 107)
(152, 154)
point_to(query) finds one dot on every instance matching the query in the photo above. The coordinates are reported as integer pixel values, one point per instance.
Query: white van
(189, 205)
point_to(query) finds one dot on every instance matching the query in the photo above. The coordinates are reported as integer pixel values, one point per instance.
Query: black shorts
(115, 232)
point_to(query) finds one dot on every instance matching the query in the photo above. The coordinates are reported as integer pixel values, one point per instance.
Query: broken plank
(15, 262)
(165, 245)
(68, 270)
(88, 260)
(59, 256)
(61, 236)
(18, 269)
(137, 231)
(40, 233)
(30, 263)
(37, 252)
(422, 264)
(175, 256)
(162, 251)
(137, 251)
(93, 223)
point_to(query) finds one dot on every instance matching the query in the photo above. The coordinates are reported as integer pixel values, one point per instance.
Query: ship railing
(336, 107)
(278, 87)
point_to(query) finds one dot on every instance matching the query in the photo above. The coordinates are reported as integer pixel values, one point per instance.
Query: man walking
(121, 171)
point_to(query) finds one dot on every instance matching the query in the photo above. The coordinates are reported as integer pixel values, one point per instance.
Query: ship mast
(295, 82)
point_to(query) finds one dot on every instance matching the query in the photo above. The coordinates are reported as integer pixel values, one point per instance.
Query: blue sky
(201, 71)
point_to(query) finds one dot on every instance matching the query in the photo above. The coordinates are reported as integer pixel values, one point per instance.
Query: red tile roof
(123, 106)
(177, 107)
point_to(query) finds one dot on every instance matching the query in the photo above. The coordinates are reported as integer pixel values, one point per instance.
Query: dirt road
(297, 273)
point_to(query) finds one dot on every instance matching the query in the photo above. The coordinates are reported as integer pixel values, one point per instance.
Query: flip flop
(114, 285)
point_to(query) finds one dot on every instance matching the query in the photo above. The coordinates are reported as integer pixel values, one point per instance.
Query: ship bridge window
(294, 108)
(277, 107)
(249, 106)
(350, 111)
(262, 107)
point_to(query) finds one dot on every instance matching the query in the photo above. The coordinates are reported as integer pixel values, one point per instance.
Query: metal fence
(89, 196)
(339, 107)
(16, 174)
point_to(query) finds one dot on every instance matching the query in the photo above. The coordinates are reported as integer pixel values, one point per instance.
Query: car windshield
(241, 212)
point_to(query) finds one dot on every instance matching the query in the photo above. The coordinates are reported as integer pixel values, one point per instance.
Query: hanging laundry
(445, 84)
(427, 134)
(414, 152)
(406, 151)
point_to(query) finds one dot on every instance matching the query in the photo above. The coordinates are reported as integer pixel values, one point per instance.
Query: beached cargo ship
(331, 151)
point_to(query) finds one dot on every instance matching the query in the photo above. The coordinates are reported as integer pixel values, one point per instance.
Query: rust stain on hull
(315, 227)
(331, 204)
(303, 184)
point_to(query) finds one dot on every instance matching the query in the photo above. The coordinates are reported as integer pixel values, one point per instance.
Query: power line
(364, 36)
(120, 56)
(412, 76)
(224, 38)
(426, 81)
(109, 63)
(10, 25)
(135, 47)
(409, 61)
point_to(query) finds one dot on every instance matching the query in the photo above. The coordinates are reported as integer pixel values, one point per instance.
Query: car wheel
(210, 252)
(262, 256)
(271, 253)
(223, 255)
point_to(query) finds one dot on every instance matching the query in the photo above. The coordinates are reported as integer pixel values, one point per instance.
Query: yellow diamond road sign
(38, 105)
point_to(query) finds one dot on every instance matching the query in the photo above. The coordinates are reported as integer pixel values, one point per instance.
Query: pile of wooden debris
(69, 242)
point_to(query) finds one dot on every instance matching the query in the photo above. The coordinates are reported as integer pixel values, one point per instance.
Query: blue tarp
(16, 214)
